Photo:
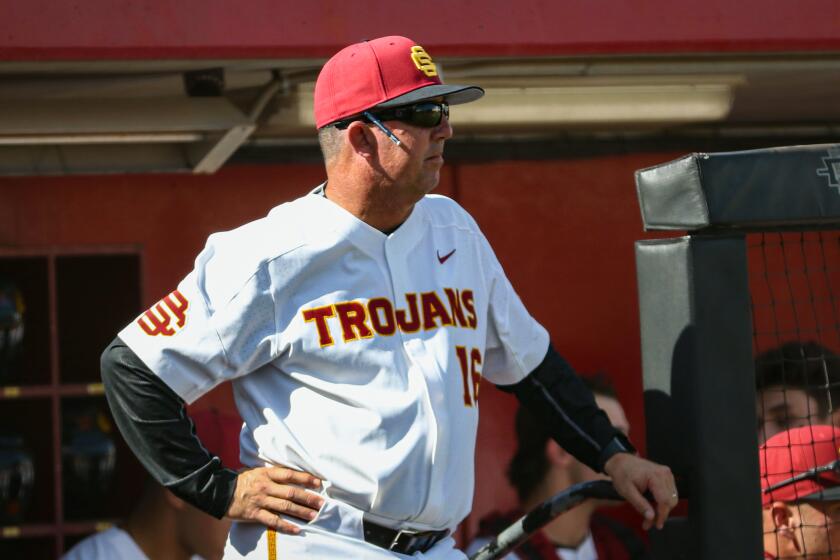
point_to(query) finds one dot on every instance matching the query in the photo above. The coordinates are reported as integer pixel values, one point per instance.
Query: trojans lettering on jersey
(425, 311)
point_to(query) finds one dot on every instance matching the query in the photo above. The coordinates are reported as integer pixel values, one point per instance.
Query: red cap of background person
(219, 433)
(793, 452)
(384, 72)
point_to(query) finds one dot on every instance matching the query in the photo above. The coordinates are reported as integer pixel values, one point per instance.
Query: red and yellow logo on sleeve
(166, 317)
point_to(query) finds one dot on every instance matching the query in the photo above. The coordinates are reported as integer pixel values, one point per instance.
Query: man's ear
(361, 139)
(785, 521)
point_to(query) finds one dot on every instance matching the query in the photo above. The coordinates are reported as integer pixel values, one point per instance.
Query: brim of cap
(453, 94)
(831, 494)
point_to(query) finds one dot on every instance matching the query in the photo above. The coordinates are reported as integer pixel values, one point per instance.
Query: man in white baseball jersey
(356, 324)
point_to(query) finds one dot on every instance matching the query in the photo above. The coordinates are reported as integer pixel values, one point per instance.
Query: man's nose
(444, 129)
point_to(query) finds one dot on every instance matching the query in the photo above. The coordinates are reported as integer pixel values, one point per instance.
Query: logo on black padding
(831, 168)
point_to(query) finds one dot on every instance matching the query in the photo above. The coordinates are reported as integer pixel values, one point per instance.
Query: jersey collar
(342, 223)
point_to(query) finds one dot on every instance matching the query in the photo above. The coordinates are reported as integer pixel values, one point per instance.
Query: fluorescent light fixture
(100, 138)
(57, 117)
(582, 105)
(580, 101)
(210, 128)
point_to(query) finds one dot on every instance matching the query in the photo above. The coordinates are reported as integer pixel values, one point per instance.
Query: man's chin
(431, 184)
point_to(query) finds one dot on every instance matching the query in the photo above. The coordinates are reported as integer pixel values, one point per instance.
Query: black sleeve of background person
(558, 397)
(154, 422)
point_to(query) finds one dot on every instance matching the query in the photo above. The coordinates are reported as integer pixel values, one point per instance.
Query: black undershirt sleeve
(558, 397)
(154, 422)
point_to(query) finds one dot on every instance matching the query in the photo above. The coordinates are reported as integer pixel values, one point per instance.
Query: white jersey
(111, 544)
(354, 355)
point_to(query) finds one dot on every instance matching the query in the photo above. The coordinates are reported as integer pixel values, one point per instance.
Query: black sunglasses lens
(428, 114)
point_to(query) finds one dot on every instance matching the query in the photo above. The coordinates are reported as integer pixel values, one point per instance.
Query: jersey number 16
(470, 374)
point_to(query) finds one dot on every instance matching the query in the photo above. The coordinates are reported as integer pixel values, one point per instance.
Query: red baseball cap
(384, 72)
(793, 452)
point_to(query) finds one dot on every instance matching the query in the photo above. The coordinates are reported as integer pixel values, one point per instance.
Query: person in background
(162, 526)
(540, 469)
(797, 384)
(800, 490)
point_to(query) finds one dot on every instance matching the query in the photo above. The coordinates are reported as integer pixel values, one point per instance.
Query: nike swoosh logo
(445, 257)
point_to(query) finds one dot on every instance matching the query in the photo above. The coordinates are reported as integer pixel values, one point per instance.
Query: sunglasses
(832, 467)
(426, 114)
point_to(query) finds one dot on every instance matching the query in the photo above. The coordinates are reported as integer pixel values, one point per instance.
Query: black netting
(794, 287)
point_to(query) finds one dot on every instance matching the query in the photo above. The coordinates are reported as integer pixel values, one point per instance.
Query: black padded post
(699, 391)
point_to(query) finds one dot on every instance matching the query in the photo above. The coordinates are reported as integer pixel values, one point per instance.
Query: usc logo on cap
(423, 61)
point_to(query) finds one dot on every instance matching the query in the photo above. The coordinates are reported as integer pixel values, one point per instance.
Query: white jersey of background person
(355, 355)
(110, 544)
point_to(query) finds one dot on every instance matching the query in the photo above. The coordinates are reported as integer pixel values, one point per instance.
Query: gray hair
(329, 137)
